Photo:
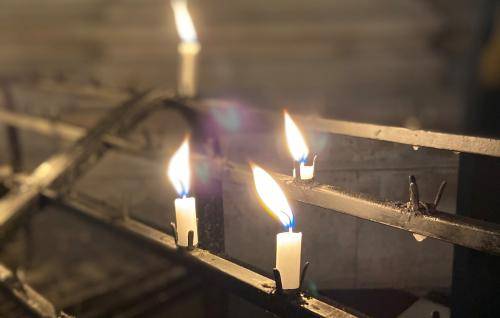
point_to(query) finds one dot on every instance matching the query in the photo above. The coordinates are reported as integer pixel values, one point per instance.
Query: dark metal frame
(414, 216)
(238, 279)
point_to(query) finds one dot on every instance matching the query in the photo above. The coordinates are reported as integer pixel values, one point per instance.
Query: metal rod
(421, 138)
(64, 130)
(42, 126)
(248, 284)
(67, 164)
(25, 295)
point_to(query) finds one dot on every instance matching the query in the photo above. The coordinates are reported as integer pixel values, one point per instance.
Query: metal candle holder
(417, 206)
(190, 246)
(279, 284)
(296, 168)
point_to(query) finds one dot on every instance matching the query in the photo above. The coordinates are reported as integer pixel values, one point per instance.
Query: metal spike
(277, 280)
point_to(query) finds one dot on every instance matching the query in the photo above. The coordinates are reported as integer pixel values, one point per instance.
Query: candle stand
(190, 245)
(297, 173)
(91, 144)
(289, 292)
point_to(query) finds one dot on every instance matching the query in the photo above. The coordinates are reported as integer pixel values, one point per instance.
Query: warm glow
(183, 21)
(272, 196)
(178, 169)
(295, 140)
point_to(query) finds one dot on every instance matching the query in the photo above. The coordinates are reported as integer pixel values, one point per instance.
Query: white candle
(288, 244)
(306, 172)
(185, 207)
(188, 50)
(298, 148)
(187, 81)
(185, 219)
(288, 249)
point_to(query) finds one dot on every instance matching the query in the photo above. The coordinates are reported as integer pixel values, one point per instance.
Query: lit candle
(185, 207)
(298, 149)
(288, 243)
(188, 50)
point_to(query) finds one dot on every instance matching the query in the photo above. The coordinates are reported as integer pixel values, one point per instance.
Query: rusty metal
(240, 280)
(26, 295)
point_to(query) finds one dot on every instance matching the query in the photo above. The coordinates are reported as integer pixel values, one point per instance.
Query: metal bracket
(279, 284)
(296, 169)
(190, 246)
(417, 206)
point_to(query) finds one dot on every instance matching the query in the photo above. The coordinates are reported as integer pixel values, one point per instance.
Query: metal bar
(250, 285)
(42, 126)
(456, 229)
(67, 164)
(12, 135)
(421, 138)
(59, 129)
(444, 226)
(25, 295)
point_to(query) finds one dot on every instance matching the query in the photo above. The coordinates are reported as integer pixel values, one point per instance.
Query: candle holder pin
(297, 173)
(419, 207)
(279, 284)
(190, 245)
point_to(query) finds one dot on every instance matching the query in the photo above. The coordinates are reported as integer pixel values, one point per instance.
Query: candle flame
(272, 196)
(296, 143)
(178, 169)
(183, 21)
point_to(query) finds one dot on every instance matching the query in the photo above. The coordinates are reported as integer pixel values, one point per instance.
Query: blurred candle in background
(188, 49)
(288, 243)
(185, 207)
(298, 149)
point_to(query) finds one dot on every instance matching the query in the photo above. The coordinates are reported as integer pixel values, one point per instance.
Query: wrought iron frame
(53, 179)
